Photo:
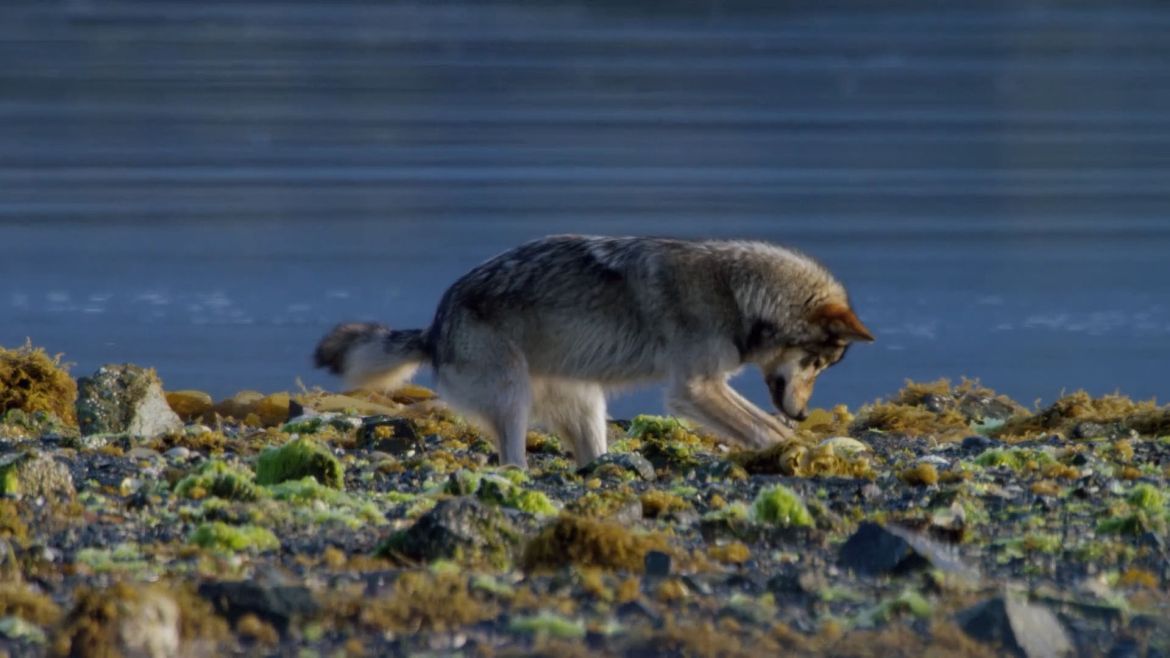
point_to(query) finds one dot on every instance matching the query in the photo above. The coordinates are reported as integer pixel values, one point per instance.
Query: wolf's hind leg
(714, 404)
(494, 389)
(575, 410)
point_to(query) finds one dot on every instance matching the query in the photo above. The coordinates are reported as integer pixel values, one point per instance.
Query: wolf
(542, 332)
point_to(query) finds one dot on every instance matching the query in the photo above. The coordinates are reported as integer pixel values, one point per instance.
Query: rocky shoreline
(946, 520)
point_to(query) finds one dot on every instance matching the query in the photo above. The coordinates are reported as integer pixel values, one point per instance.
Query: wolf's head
(792, 370)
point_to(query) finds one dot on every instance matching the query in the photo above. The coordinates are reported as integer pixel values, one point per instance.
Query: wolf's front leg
(712, 403)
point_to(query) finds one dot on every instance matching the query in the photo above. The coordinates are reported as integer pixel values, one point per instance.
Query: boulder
(124, 399)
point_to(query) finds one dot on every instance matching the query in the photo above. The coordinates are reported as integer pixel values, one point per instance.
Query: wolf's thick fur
(542, 331)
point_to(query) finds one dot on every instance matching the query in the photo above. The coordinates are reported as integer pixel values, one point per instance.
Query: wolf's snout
(778, 388)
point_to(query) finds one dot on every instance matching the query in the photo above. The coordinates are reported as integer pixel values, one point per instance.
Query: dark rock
(631, 462)
(460, 527)
(878, 550)
(638, 609)
(657, 563)
(277, 604)
(977, 444)
(1021, 628)
(403, 439)
(124, 398)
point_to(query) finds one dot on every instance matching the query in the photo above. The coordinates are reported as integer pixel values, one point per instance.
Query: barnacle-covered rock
(124, 399)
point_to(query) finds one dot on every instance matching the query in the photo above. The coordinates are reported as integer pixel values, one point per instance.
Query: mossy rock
(124, 399)
(33, 474)
(460, 529)
(32, 381)
(218, 479)
(297, 459)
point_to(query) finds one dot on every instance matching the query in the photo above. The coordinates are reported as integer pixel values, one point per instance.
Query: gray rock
(459, 527)
(34, 475)
(124, 398)
(276, 603)
(628, 461)
(1023, 629)
(880, 550)
(178, 453)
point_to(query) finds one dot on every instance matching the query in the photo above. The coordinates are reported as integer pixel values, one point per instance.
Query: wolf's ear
(839, 320)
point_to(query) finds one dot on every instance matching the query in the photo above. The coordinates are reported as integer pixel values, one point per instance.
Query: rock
(978, 444)
(1094, 430)
(239, 405)
(124, 398)
(178, 453)
(123, 619)
(1023, 629)
(630, 462)
(276, 603)
(348, 404)
(151, 627)
(880, 550)
(35, 475)
(396, 436)
(657, 563)
(455, 528)
(272, 409)
(189, 405)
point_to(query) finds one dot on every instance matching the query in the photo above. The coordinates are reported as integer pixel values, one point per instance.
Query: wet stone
(388, 434)
(124, 398)
(1021, 628)
(630, 462)
(879, 550)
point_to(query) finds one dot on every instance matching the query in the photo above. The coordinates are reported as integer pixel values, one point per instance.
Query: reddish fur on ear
(840, 320)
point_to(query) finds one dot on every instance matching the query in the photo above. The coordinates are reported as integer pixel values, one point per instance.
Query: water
(206, 187)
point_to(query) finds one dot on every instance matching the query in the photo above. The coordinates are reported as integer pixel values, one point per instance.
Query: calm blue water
(206, 187)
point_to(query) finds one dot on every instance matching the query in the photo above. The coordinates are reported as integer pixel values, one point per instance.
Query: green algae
(502, 488)
(224, 537)
(548, 624)
(326, 504)
(217, 478)
(1146, 497)
(1014, 458)
(780, 506)
(297, 459)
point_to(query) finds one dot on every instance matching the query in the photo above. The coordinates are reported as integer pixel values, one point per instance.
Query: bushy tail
(369, 355)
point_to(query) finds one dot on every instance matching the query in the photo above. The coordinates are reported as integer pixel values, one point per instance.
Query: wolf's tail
(370, 355)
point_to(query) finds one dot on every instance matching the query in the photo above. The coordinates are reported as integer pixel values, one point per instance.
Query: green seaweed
(299, 458)
(780, 506)
(221, 536)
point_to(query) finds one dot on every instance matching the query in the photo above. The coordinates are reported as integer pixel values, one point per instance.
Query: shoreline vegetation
(945, 520)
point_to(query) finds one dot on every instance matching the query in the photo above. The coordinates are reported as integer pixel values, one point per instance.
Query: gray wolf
(541, 332)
